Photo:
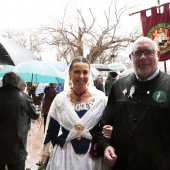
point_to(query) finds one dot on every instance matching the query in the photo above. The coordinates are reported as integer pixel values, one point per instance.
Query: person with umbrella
(39, 94)
(49, 94)
(15, 109)
(22, 85)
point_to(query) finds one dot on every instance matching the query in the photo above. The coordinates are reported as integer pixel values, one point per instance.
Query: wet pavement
(34, 144)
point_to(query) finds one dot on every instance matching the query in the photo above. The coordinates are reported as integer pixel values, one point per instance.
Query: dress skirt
(66, 159)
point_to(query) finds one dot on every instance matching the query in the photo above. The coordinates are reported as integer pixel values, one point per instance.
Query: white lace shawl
(63, 111)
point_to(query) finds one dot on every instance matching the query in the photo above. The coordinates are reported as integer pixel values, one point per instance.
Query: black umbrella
(101, 67)
(12, 54)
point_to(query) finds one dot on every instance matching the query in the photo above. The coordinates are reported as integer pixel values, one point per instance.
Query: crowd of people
(123, 125)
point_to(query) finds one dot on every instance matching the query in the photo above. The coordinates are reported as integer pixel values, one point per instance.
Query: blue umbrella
(39, 72)
(59, 65)
(6, 69)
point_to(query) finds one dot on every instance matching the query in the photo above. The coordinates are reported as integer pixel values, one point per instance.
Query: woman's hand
(107, 131)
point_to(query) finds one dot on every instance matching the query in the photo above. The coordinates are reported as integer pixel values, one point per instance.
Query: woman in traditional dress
(74, 122)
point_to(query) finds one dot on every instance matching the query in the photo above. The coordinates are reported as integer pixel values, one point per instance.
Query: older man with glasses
(138, 108)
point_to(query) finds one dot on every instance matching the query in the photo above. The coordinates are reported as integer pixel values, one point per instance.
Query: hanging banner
(157, 27)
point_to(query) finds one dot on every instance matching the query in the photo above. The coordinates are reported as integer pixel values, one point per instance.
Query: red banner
(157, 27)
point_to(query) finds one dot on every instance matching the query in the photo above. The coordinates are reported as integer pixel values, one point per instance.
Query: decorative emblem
(132, 91)
(79, 128)
(124, 91)
(159, 33)
(159, 96)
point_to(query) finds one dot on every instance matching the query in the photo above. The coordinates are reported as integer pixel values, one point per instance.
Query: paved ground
(34, 143)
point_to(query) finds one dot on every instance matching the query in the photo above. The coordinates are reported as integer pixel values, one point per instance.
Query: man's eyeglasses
(147, 53)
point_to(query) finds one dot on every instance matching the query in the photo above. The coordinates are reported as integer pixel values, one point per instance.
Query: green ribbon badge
(159, 96)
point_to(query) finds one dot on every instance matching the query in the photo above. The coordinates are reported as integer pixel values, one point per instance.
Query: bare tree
(73, 41)
(84, 38)
(31, 41)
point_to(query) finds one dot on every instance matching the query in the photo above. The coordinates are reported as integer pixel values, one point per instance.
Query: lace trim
(82, 106)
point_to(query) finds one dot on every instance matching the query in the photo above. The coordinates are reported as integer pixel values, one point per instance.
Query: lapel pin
(124, 91)
(132, 91)
(148, 92)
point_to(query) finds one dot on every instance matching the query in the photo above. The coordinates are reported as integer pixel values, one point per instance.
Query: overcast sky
(29, 14)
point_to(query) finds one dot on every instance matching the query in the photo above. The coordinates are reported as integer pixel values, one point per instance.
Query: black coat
(98, 85)
(15, 109)
(141, 123)
(108, 85)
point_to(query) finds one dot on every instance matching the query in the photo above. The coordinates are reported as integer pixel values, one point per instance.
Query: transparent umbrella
(59, 65)
(39, 72)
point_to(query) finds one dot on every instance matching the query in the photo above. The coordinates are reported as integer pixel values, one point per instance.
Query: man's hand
(107, 131)
(109, 155)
